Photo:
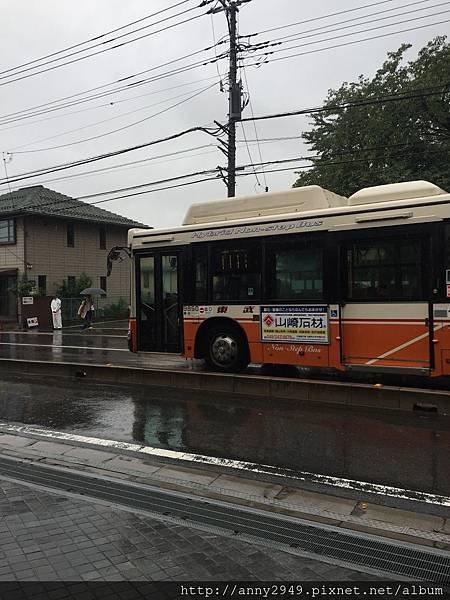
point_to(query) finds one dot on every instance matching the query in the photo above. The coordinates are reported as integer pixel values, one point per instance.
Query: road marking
(51, 346)
(64, 332)
(350, 484)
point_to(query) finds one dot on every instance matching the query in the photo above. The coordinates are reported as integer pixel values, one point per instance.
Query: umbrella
(92, 291)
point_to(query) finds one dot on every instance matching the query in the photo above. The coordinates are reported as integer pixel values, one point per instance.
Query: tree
(386, 142)
(24, 287)
(73, 289)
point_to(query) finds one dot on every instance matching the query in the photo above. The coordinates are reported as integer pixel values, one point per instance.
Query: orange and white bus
(303, 277)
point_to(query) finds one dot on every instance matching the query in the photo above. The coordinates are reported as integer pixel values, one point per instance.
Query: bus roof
(302, 199)
(308, 201)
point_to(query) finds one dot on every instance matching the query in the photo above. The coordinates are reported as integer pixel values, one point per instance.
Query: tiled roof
(42, 201)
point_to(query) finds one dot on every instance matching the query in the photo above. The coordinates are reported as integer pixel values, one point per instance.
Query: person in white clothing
(56, 312)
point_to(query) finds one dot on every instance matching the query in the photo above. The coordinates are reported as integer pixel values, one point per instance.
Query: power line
(341, 12)
(254, 126)
(249, 154)
(129, 165)
(415, 93)
(239, 172)
(96, 45)
(109, 104)
(320, 30)
(215, 176)
(69, 165)
(269, 60)
(344, 35)
(142, 163)
(258, 183)
(103, 50)
(46, 107)
(400, 96)
(96, 137)
(97, 37)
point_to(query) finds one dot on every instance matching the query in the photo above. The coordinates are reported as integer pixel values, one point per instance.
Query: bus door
(385, 321)
(386, 335)
(159, 306)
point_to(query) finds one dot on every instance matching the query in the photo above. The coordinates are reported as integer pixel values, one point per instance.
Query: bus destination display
(304, 324)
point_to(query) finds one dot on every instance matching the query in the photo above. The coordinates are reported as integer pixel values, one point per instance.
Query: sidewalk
(51, 536)
(153, 467)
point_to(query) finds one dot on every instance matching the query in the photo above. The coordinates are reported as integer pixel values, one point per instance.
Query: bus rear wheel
(226, 350)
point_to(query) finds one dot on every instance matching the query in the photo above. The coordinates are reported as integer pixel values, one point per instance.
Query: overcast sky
(31, 30)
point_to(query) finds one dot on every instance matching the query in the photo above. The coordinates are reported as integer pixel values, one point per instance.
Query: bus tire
(226, 349)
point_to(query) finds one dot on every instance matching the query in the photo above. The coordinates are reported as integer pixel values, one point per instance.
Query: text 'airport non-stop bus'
(303, 277)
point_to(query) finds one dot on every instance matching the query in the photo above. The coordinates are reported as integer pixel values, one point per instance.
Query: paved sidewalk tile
(109, 544)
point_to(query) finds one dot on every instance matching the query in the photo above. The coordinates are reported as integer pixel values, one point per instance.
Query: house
(48, 238)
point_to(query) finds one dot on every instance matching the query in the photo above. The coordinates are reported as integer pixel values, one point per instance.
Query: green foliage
(116, 310)
(386, 142)
(72, 291)
(24, 287)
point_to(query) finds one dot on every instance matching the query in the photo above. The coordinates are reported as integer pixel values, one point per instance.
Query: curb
(258, 386)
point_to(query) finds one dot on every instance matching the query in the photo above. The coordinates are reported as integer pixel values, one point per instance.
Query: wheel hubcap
(224, 350)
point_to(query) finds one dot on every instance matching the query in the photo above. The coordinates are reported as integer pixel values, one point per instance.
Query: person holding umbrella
(86, 310)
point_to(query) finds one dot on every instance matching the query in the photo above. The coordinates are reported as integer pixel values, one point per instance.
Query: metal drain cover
(370, 552)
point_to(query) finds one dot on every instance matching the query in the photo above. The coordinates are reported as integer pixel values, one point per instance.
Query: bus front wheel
(226, 350)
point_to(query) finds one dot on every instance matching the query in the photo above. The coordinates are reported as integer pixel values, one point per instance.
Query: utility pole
(234, 102)
(230, 8)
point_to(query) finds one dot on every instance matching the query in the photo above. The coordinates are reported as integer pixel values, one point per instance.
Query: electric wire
(46, 107)
(96, 45)
(132, 164)
(249, 154)
(254, 125)
(335, 14)
(239, 172)
(95, 37)
(215, 178)
(102, 135)
(75, 60)
(197, 92)
(109, 104)
(83, 161)
(320, 30)
(267, 59)
(413, 94)
(344, 35)
(144, 162)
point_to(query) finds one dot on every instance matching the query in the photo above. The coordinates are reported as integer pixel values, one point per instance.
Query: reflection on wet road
(84, 348)
(401, 449)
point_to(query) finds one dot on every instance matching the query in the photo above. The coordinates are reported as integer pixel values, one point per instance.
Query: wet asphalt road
(89, 347)
(408, 450)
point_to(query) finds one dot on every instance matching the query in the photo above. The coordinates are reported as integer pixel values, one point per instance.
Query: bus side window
(200, 275)
(236, 273)
(295, 273)
(446, 274)
(386, 269)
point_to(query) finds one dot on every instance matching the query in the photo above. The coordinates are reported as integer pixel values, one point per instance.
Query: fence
(111, 308)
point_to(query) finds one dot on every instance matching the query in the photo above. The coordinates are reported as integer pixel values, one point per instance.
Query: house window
(42, 285)
(103, 284)
(7, 231)
(70, 235)
(102, 238)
